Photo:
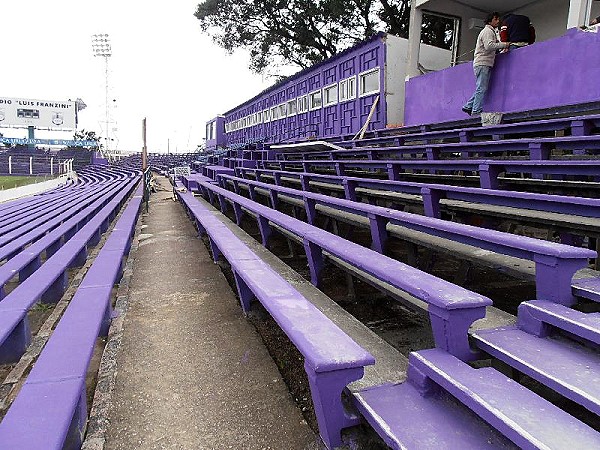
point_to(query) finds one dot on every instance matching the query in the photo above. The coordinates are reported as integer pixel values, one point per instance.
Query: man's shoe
(466, 110)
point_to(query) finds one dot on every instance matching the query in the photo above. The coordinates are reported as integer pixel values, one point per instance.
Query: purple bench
(538, 149)
(489, 170)
(49, 238)
(578, 126)
(191, 182)
(332, 358)
(12, 242)
(555, 263)
(50, 410)
(451, 308)
(432, 194)
(438, 383)
(49, 282)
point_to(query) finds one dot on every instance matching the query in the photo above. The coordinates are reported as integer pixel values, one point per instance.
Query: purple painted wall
(345, 117)
(218, 138)
(560, 71)
(98, 159)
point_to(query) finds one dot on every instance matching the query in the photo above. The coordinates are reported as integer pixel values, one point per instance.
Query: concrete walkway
(191, 372)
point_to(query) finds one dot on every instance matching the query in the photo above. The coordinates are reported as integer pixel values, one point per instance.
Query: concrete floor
(191, 372)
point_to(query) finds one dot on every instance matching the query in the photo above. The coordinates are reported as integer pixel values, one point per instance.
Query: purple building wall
(215, 133)
(339, 118)
(98, 159)
(560, 71)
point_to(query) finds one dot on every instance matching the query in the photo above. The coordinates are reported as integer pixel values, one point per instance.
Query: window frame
(363, 75)
(311, 106)
(341, 89)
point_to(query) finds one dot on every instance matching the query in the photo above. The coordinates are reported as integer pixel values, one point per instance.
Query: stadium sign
(66, 142)
(44, 114)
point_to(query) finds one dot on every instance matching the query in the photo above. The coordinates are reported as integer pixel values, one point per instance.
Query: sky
(162, 68)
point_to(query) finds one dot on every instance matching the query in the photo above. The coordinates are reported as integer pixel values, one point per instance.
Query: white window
(259, 117)
(291, 107)
(282, 110)
(315, 101)
(302, 104)
(274, 113)
(267, 115)
(208, 132)
(330, 95)
(347, 89)
(368, 82)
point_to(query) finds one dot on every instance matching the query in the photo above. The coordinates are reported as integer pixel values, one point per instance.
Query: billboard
(44, 114)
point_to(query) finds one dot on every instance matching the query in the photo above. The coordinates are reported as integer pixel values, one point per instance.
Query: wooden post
(144, 148)
(145, 170)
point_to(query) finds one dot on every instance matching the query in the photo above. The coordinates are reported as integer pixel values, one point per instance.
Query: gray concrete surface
(191, 372)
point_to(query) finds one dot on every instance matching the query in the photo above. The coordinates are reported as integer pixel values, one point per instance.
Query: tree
(304, 32)
(298, 32)
(84, 135)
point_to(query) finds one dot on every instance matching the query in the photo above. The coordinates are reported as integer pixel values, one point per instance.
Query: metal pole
(144, 148)
(145, 170)
(106, 106)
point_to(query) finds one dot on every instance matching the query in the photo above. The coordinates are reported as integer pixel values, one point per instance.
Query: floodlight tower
(101, 47)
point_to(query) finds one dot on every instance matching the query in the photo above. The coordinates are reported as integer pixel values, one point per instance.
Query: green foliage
(84, 135)
(13, 181)
(299, 32)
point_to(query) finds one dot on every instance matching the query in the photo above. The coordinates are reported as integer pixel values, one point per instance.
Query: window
(347, 89)
(330, 95)
(259, 117)
(291, 107)
(208, 132)
(274, 113)
(267, 115)
(302, 104)
(282, 110)
(315, 101)
(368, 82)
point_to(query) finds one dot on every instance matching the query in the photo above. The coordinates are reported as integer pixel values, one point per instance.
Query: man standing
(485, 55)
(517, 30)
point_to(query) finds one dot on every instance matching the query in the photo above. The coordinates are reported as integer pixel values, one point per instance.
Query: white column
(10, 165)
(414, 39)
(579, 13)
(51, 166)
(31, 165)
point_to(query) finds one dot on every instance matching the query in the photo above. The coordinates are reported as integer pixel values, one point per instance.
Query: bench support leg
(80, 259)
(53, 248)
(239, 214)
(553, 278)
(95, 238)
(326, 390)
(200, 228)
(311, 211)
(57, 289)
(214, 250)
(26, 271)
(315, 261)
(16, 344)
(379, 235)
(450, 328)
(528, 322)
(265, 229)
(246, 295)
(488, 176)
(76, 431)
(431, 202)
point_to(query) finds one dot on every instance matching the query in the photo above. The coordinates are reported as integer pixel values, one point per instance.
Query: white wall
(549, 17)
(31, 189)
(396, 48)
